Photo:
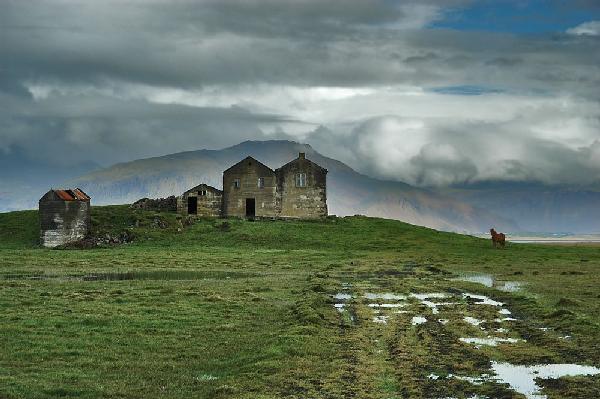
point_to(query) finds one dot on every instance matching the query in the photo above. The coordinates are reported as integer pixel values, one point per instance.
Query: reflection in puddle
(434, 305)
(387, 305)
(505, 319)
(511, 286)
(522, 378)
(386, 296)
(434, 295)
(342, 296)
(482, 299)
(489, 341)
(489, 281)
(473, 321)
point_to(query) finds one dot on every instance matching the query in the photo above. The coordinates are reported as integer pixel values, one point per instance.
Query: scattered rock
(102, 240)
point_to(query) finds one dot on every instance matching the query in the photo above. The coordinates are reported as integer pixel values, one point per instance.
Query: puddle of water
(504, 311)
(416, 320)
(522, 378)
(381, 319)
(482, 299)
(341, 296)
(473, 321)
(339, 307)
(207, 377)
(443, 321)
(433, 295)
(505, 319)
(387, 305)
(511, 286)
(490, 341)
(435, 305)
(388, 296)
(489, 281)
(485, 279)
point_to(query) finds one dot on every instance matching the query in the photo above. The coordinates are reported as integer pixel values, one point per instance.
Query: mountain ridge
(349, 192)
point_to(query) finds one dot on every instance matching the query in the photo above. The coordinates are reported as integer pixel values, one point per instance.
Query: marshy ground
(343, 308)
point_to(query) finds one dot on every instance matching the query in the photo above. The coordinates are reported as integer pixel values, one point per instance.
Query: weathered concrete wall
(248, 171)
(209, 201)
(308, 202)
(62, 222)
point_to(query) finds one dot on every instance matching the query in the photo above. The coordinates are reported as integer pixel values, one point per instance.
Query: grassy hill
(241, 309)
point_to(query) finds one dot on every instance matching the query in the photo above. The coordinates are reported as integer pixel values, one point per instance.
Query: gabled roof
(69, 194)
(247, 159)
(303, 159)
(202, 186)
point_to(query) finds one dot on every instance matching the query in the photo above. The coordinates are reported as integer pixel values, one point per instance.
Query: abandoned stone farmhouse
(297, 190)
(251, 189)
(64, 217)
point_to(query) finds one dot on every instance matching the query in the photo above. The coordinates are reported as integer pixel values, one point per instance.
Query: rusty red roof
(72, 195)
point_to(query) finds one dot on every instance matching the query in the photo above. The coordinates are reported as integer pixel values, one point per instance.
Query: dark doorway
(192, 205)
(250, 207)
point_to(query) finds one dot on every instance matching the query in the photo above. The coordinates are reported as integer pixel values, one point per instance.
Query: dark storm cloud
(110, 130)
(311, 42)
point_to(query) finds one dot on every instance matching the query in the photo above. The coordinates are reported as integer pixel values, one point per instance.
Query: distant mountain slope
(537, 207)
(349, 192)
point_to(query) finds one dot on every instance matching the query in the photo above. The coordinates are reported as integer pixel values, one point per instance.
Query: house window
(236, 183)
(261, 182)
(202, 193)
(301, 180)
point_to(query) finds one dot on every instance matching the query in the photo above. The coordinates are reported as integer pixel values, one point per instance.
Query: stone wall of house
(62, 222)
(308, 201)
(248, 172)
(209, 201)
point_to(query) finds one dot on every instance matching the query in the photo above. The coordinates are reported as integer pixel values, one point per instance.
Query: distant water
(556, 238)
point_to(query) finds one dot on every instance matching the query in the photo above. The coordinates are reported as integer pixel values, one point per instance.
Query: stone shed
(64, 217)
(202, 200)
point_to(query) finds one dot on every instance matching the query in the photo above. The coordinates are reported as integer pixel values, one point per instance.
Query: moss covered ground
(243, 309)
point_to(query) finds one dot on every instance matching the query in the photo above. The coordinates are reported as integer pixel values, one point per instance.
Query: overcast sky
(429, 92)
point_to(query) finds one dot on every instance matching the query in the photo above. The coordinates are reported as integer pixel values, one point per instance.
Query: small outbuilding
(64, 217)
(202, 200)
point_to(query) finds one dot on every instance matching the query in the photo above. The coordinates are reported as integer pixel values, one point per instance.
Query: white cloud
(591, 28)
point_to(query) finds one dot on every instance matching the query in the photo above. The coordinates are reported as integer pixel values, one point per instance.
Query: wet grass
(247, 311)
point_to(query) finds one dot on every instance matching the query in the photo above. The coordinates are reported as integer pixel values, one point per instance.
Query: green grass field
(247, 311)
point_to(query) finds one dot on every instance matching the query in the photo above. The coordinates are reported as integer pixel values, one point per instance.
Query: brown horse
(498, 239)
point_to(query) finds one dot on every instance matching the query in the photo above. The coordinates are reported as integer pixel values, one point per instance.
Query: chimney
(302, 155)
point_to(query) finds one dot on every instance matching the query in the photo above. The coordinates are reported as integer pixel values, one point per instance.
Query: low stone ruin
(168, 204)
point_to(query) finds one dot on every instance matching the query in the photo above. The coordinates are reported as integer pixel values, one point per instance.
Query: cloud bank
(373, 83)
